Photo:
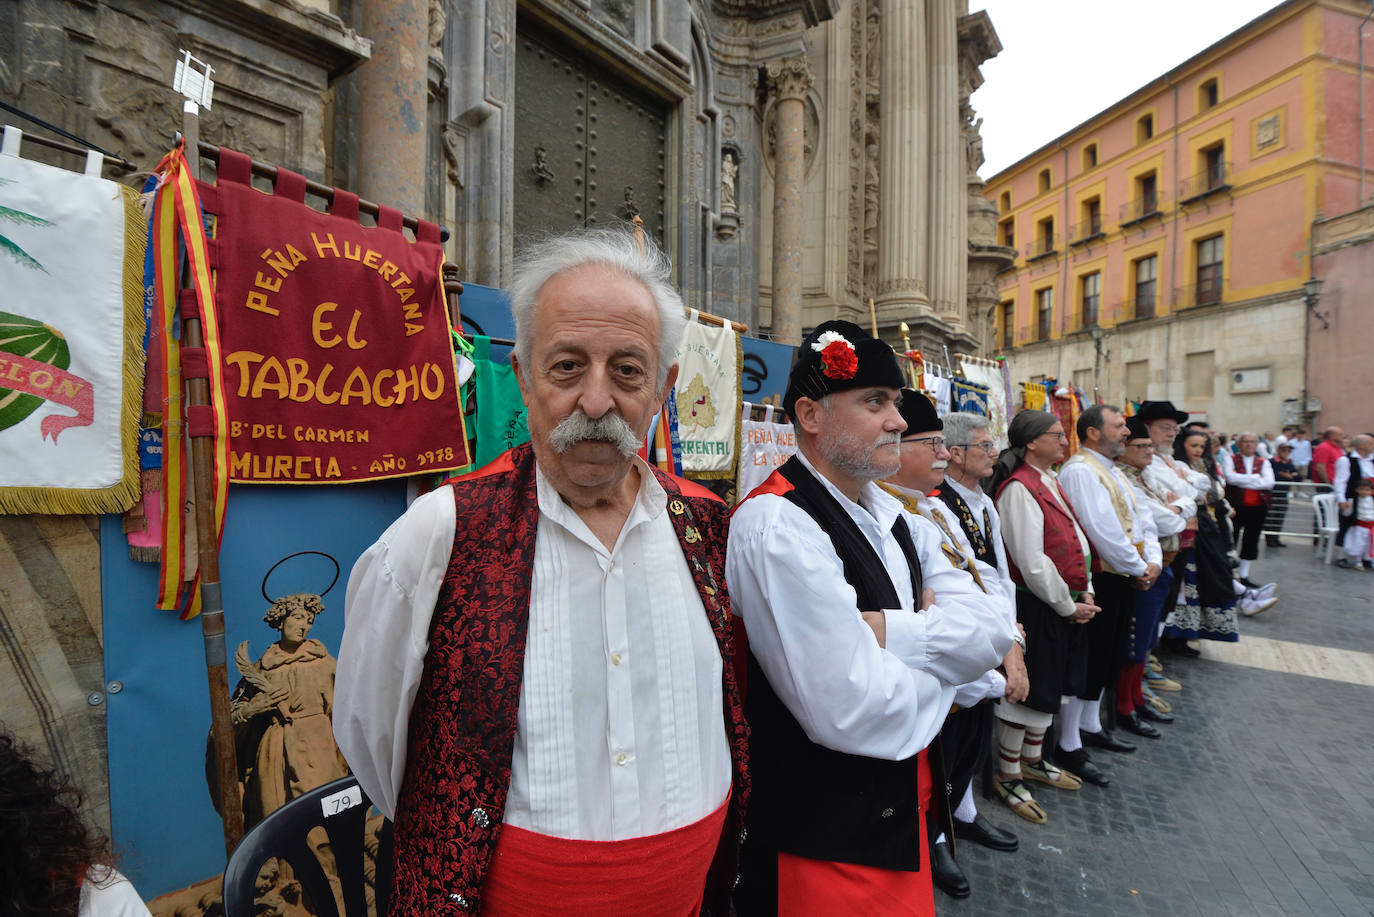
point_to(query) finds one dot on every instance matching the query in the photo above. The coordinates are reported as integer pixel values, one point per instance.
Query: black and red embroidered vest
(462, 725)
(1061, 543)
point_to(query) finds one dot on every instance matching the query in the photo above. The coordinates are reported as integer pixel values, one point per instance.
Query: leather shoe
(1150, 713)
(982, 831)
(1079, 763)
(1178, 646)
(1133, 723)
(947, 873)
(1106, 740)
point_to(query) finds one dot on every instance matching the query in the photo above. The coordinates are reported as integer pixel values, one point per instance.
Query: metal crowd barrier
(1292, 514)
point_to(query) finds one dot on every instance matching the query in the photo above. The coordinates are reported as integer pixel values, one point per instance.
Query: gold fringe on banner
(120, 496)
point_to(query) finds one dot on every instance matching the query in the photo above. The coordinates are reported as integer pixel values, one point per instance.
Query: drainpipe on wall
(1173, 254)
(1359, 43)
(1063, 269)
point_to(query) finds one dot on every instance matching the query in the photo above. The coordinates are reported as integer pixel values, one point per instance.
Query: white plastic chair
(1327, 523)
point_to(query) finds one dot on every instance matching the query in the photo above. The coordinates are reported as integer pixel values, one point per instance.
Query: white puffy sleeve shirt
(1258, 473)
(1023, 532)
(1093, 507)
(824, 663)
(620, 730)
(1165, 477)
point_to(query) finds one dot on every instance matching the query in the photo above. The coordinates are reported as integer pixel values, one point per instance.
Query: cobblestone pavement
(1258, 800)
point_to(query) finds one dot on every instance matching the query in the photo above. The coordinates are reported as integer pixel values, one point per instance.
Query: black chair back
(341, 808)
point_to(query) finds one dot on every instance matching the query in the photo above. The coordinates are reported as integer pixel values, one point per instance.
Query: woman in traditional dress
(281, 712)
(1206, 608)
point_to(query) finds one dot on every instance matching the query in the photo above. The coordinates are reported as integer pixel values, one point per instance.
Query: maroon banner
(338, 363)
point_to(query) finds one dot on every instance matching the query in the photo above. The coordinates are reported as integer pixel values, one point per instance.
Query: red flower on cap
(837, 356)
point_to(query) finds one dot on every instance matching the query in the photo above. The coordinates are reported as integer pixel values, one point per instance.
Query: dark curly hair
(45, 847)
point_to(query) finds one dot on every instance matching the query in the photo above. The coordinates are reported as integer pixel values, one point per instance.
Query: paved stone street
(1258, 800)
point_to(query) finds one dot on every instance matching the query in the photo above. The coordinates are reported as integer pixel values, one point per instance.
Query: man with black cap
(1159, 521)
(1123, 557)
(1049, 558)
(961, 748)
(847, 683)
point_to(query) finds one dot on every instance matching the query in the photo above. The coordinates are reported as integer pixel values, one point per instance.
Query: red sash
(807, 887)
(664, 875)
(1369, 548)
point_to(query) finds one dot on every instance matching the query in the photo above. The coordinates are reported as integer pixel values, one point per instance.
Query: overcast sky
(1064, 61)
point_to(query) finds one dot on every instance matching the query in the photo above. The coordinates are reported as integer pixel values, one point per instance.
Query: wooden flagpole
(207, 545)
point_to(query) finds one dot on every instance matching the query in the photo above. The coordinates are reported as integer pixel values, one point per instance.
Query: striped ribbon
(177, 217)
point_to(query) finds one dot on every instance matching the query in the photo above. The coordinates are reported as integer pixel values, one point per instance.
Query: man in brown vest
(535, 677)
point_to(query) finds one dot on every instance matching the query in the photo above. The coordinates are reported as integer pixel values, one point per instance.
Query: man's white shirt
(1257, 473)
(620, 731)
(821, 659)
(1023, 533)
(1093, 507)
(1342, 479)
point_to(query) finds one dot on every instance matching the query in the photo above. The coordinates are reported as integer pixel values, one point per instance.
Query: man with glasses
(859, 630)
(961, 748)
(1047, 556)
(1124, 558)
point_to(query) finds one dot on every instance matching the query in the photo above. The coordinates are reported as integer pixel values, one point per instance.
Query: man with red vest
(1048, 556)
(1250, 490)
(535, 678)
(1125, 558)
(859, 630)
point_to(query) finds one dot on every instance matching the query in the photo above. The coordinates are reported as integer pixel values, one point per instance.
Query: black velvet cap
(919, 414)
(1137, 427)
(812, 377)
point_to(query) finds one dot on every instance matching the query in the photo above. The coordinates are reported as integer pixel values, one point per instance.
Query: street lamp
(1311, 293)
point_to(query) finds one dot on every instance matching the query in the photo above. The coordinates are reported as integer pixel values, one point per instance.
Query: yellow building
(1162, 245)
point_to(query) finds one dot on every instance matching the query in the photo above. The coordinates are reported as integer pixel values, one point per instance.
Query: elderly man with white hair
(1249, 490)
(535, 676)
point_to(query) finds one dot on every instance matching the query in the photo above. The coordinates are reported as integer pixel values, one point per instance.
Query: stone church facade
(796, 158)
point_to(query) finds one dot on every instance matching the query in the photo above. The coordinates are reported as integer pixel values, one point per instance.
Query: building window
(1083, 380)
(1147, 193)
(1138, 380)
(1090, 299)
(1092, 218)
(1214, 165)
(1089, 157)
(1043, 180)
(1008, 227)
(1044, 236)
(1008, 325)
(1201, 374)
(1208, 94)
(1044, 312)
(1210, 255)
(1144, 128)
(1004, 202)
(1146, 277)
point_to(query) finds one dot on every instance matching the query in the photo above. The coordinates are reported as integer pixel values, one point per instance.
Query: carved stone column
(903, 158)
(392, 104)
(947, 210)
(788, 82)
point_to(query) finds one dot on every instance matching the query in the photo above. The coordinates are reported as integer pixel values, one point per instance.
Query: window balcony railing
(1042, 247)
(1136, 307)
(1142, 208)
(1207, 293)
(1211, 180)
(1087, 231)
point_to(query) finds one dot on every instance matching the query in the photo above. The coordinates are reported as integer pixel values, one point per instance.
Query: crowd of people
(578, 683)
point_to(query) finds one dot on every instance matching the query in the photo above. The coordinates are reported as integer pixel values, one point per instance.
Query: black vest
(812, 801)
(981, 542)
(1356, 475)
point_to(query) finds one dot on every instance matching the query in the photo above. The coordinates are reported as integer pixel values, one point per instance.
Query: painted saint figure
(281, 710)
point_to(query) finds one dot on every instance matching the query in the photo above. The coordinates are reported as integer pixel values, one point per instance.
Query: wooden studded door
(589, 150)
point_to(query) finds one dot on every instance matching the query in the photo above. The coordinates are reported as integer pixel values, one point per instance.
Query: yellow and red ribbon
(177, 215)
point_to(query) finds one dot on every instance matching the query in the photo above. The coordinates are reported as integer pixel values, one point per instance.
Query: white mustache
(939, 465)
(609, 427)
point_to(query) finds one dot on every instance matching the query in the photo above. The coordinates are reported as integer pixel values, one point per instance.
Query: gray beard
(857, 459)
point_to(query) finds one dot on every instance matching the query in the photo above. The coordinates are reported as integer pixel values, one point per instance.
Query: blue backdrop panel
(486, 310)
(164, 826)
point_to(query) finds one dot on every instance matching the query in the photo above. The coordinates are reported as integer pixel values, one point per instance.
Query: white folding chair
(1327, 523)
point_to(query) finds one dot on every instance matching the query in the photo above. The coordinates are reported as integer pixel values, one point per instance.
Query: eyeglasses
(987, 447)
(1063, 437)
(1140, 445)
(936, 442)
